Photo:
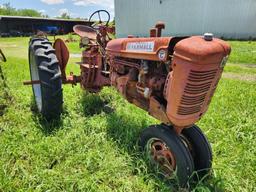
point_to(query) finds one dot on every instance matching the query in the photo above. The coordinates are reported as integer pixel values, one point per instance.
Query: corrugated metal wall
(234, 19)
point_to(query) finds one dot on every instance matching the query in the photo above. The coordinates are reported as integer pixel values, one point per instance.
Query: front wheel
(200, 150)
(166, 150)
(44, 68)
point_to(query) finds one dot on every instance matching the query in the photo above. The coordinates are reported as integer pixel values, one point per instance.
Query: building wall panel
(229, 18)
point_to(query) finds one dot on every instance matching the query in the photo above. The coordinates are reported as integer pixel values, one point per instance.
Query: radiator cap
(208, 36)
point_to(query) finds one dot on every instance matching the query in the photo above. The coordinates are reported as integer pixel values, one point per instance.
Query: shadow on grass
(93, 104)
(6, 98)
(126, 134)
(48, 127)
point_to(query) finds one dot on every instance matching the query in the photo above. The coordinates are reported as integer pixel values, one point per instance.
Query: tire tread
(50, 77)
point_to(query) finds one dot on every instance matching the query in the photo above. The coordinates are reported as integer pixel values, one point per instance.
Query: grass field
(94, 148)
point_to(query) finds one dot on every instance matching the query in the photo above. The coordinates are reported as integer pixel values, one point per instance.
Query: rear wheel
(200, 150)
(166, 150)
(44, 67)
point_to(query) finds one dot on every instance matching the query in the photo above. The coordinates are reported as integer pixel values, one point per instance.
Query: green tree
(29, 13)
(7, 9)
(65, 16)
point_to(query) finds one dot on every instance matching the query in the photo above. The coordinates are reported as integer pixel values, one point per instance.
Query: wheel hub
(160, 154)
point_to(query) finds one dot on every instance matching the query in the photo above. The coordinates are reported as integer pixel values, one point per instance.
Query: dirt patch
(8, 46)
(250, 65)
(242, 77)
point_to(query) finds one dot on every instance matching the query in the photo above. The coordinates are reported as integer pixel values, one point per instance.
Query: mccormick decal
(141, 46)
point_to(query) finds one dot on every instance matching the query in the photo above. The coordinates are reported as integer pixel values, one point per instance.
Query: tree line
(7, 9)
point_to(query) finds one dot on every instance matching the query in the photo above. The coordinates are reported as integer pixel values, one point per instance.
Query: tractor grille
(196, 90)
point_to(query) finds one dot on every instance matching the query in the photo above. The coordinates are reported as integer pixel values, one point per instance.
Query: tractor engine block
(138, 80)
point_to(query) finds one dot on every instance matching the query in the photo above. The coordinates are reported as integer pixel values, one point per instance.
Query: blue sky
(53, 8)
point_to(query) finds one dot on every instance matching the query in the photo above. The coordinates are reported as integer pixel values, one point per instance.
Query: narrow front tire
(166, 150)
(200, 149)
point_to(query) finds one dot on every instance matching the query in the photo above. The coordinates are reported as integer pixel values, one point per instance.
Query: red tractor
(173, 78)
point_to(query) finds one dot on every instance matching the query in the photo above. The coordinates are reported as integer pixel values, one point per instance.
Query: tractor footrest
(34, 82)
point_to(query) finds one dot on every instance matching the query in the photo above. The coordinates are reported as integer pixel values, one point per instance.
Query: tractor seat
(85, 31)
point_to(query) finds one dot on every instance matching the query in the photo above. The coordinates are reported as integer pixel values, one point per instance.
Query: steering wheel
(2, 57)
(99, 15)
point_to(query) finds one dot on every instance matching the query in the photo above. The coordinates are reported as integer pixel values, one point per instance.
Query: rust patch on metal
(62, 54)
(164, 157)
(31, 82)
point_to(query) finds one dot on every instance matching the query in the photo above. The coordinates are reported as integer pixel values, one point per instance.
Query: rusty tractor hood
(155, 49)
(199, 51)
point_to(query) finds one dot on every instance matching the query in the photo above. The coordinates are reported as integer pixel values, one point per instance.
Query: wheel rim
(160, 154)
(188, 145)
(35, 77)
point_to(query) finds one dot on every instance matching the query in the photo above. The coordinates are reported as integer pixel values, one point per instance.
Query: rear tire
(44, 66)
(171, 149)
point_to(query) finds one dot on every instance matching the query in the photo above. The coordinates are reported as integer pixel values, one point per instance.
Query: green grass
(18, 47)
(243, 52)
(94, 148)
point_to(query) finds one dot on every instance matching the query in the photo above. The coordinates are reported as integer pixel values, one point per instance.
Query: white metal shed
(234, 19)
